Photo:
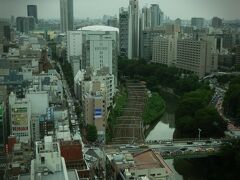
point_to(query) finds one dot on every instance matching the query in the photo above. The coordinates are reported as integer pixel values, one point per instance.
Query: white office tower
(48, 163)
(133, 30)
(123, 32)
(194, 56)
(66, 13)
(156, 15)
(74, 53)
(20, 117)
(165, 50)
(96, 47)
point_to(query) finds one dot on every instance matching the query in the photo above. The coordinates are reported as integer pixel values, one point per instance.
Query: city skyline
(184, 10)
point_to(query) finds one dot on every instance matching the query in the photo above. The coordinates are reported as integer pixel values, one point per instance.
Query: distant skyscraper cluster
(66, 13)
(132, 23)
(27, 24)
(193, 45)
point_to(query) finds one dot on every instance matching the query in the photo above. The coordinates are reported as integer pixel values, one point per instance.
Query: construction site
(129, 127)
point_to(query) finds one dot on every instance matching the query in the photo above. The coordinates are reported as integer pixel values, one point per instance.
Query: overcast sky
(185, 9)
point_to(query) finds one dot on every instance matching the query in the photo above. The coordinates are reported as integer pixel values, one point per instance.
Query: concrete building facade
(156, 15)
(95, 48)
(20, 118)
(25, 24)
(165, 50)
(194, 56)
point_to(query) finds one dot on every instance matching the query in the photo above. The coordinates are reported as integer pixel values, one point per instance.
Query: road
(70, 103)
(171, 149)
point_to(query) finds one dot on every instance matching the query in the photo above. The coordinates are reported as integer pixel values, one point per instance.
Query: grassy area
(154, 109)
(119, 103)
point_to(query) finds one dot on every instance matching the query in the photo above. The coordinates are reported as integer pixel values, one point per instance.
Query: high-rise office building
(123, 32)
(74, 53)
(194, 56)
(25, 24)
(32, 11)
(20, 117)
(133, 30)
(156, 15)
(93, 47)
(66, 12)
(146, 18)
(146, 43)
(70, 15)
(165, 50)
(197, 22)
(5, 32)
(216, 22)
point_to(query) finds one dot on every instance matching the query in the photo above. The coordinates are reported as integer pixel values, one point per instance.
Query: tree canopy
(158, 75)
(91, 133)
(194, 112)
(231, 103)
(154, 109)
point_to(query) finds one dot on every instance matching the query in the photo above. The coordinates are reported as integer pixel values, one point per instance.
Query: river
(164, 129)
(166, 126)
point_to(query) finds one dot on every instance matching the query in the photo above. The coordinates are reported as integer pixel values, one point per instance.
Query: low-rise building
(48, 163)
(20, 117)
(146, 164)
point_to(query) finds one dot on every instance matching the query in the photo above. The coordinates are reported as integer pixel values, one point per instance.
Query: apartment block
(194, 56)
(165, 50)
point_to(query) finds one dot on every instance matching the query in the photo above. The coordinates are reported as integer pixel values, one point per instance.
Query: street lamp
(199, 134)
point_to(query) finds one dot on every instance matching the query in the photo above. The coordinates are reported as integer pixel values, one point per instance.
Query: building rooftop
(147, 159)
(72, 175)
(98, 28)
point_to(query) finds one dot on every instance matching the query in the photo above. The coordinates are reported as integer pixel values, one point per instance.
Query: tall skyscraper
(70, 15)
(156, 15)
(25, 24)
(194, 56)
(32, 11)
(123, 32)
(146, 17)
(66, 12)
(165, 50)
(133, 30)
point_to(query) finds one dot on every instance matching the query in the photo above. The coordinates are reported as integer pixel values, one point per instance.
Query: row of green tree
(231, 103)
(154, 109)
(157, 75)
(194, 112)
